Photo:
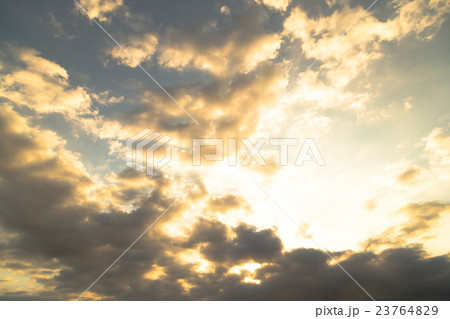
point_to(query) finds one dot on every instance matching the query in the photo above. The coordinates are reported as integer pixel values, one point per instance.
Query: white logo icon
(146, 142)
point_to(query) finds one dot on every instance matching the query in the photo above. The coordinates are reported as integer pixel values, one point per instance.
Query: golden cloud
(101, 9)
(42, 86)
(140, 49)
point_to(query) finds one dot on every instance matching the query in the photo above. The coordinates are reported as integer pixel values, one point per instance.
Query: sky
(79, 79)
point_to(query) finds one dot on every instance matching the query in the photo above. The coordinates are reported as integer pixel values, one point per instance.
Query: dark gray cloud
(246, 244)
(395, 274)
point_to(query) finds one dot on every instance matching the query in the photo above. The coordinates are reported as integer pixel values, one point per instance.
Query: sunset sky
(375, 100)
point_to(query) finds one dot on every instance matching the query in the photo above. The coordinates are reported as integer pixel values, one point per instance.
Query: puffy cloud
(58, 217)
(350, 58)
(225, 10)
(139, 48)
(317, 34)
(105, 98)
(249, 244)
(299, 274)
(221, 60)
(409, 17)
(420, 17)
(101, 9)
(238, 48)
(305, 274)
(42, 85)
(213, 104)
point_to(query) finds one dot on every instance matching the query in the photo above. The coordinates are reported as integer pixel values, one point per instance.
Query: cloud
(248, 92)
(345, 65)
(304, 274)
(224, 51)
(438, 150)
(59, 218)
(220, 60)
(221, 49)
(249, 244)
(41, 85)
(420, 17)
(139, 48)
(101, 9)
(408, 17)
(224, 203)
(62, 225)
(225, 10)
(408, 175)
(421, 217)
(105, 98)
(70, 228)
(280, 5)
(59, 31)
